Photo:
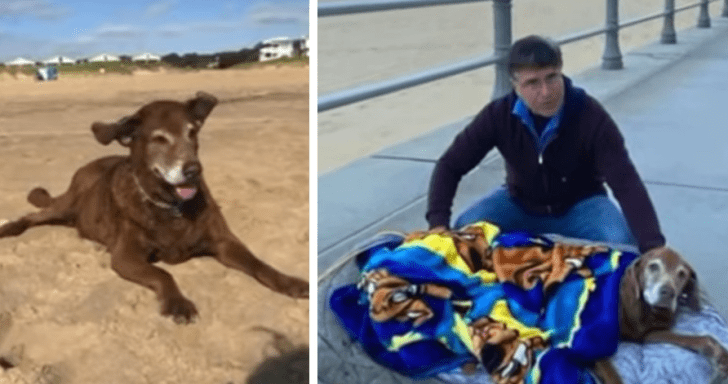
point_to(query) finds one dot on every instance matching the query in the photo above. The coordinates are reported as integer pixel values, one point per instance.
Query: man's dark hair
(533, 52)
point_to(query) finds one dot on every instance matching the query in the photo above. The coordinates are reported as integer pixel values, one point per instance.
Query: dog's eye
(682, 275)
(192, 134)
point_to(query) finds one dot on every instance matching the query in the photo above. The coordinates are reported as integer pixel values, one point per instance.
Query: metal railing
(611, 59)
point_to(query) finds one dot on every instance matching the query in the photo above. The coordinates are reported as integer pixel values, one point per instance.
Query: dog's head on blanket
(655, 284)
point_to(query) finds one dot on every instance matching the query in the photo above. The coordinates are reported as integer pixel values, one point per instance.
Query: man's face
(541, 88)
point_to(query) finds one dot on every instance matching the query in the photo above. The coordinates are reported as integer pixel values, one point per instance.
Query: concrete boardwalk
(668, 102)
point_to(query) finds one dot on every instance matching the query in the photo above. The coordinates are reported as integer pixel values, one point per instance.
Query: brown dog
(153, 205)
(650, 292)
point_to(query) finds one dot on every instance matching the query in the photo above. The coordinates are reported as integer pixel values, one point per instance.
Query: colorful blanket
(526, 309)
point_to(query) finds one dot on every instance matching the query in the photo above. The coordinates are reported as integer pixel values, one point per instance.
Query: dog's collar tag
(176, 210)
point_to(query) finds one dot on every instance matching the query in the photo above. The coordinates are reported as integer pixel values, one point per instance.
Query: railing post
(612, 58)
(704, 18)
(725, 9)
(502, 45)
(668, 30)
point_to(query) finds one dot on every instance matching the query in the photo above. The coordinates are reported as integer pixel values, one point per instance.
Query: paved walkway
(669, 103)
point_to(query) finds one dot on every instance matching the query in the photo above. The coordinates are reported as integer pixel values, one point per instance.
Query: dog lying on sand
(153, 205)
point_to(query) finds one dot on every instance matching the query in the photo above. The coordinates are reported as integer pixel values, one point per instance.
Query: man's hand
(438, 229)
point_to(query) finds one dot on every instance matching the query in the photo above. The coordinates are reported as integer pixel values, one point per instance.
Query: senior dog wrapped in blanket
(526, 309)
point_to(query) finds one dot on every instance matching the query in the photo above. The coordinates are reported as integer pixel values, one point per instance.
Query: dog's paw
(180, 309)
(720, 363)
(13, 228)
(298, 288)
(718, 356)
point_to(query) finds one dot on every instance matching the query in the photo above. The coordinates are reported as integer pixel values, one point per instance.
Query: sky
(41, 29)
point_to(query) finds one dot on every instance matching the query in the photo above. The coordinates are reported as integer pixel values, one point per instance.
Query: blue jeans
(595, 218)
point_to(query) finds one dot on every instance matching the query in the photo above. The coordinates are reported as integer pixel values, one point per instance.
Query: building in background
(146, 57)
(280, 47)
(58, 60)
(304, 46)
(103, 58)
(20, 62)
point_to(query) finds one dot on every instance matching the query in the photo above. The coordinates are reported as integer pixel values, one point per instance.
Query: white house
(277, 48)
(304, 45)
(146, 57)
(59, 60)
(103, 58)
(20, 61)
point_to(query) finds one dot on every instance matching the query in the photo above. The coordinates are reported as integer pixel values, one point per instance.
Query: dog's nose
(667, 292)
(192, 170)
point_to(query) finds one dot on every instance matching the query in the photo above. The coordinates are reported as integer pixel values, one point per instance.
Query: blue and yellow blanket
(522, 307)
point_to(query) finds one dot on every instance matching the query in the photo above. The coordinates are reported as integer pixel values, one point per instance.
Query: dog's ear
(121, 131)
(630, 292)
(630, 283)
(201, 106)
(690, 295)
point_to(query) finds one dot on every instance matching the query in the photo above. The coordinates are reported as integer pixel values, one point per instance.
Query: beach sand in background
(66, 317)
(364, 48)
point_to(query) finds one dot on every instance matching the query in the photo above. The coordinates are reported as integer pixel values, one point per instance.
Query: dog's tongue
(186, 193)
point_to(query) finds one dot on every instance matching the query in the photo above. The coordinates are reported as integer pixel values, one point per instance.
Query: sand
(66, 317)
(364, 48)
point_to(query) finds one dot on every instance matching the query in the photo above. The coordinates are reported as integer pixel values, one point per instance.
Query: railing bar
(339, 8)
(643, 19)
(694, 5)
(585, 35)
(630, 23)
(364, 92)
(350, 7)
(657, 15)
(581, 36)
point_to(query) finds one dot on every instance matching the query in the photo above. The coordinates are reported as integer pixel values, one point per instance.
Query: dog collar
(175, 209)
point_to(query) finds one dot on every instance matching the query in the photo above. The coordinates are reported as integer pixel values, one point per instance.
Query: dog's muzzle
(182, 177)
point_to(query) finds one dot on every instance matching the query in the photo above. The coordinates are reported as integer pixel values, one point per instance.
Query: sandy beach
(365, 48)
(66, 317)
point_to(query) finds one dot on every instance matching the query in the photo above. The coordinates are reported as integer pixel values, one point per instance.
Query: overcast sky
(40, 29)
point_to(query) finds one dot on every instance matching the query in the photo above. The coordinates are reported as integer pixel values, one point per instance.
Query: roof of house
(20, 61)
(104, 57)
(146, 56)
